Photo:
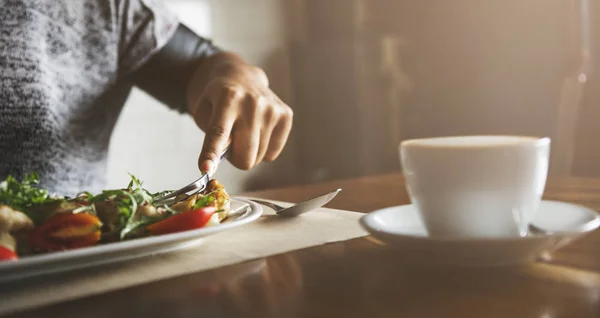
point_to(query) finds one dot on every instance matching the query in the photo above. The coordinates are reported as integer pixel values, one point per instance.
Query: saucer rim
(583, 229)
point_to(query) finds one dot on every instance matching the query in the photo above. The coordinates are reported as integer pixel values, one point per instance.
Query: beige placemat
(269, 235)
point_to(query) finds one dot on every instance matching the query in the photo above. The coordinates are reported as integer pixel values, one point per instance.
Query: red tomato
(7, 255)
(185, 221)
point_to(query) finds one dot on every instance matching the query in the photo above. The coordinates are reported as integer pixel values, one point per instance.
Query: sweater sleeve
(159, 54)
(144, 27)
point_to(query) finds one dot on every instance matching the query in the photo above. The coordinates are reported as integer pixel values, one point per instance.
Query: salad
(32, 221)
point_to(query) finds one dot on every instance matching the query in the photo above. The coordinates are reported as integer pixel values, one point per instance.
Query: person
(67, 68)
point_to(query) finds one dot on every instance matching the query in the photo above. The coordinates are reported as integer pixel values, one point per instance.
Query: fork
(196, 186)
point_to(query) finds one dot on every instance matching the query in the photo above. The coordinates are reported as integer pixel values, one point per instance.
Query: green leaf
(22, 195)
(134, 181)
(127, 207)
(140, 222)
(168, 208)
(204, 201)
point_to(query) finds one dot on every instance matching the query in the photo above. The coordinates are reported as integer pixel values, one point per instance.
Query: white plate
(242, 212)
(401, 227)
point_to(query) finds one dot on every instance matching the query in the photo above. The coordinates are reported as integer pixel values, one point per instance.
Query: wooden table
(359, 278)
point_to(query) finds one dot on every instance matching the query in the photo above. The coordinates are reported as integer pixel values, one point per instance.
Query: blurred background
(363, 75)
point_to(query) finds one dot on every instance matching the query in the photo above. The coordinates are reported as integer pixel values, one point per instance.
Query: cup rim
(500, 141)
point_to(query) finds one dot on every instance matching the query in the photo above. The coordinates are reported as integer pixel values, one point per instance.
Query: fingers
(261, 133)
(218, 133)
(245, 145)
(279, 136)
(251, 133)
(265, 137)
(267, 117)
(217, 138)
(255, 122)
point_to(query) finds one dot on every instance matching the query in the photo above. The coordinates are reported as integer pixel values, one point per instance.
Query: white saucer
(401, 227)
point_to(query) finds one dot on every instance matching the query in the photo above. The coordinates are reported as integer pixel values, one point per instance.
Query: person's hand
(234, 105)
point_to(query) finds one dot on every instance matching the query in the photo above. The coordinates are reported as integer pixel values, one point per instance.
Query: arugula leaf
(138, 197)
(141, 195)
(84, 196)
(134, 181)
(141, 222)
(127, 201)
(124, 201)
(204, 201)
(22, 195)
(169, 209)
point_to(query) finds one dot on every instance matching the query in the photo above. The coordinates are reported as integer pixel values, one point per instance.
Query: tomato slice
(7, 255)
(185, 221)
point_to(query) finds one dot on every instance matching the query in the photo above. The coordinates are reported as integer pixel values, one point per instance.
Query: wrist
(226, 64)
(235, 68)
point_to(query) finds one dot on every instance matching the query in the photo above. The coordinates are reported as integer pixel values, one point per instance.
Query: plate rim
(585, 228)
(255, 213)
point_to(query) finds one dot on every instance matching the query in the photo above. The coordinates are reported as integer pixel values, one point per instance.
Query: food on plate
(188, 220)
(32, 221)
(66, 231)
(13, 224)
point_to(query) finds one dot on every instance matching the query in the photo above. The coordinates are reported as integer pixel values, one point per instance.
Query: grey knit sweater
(63, 70)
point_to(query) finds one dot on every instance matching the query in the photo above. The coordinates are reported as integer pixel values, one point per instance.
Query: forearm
(167, 74)
(229, 99)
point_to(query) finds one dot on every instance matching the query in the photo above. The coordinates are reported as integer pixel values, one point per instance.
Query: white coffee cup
(476, 186)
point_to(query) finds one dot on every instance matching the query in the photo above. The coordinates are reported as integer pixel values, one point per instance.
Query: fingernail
(207, 166)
